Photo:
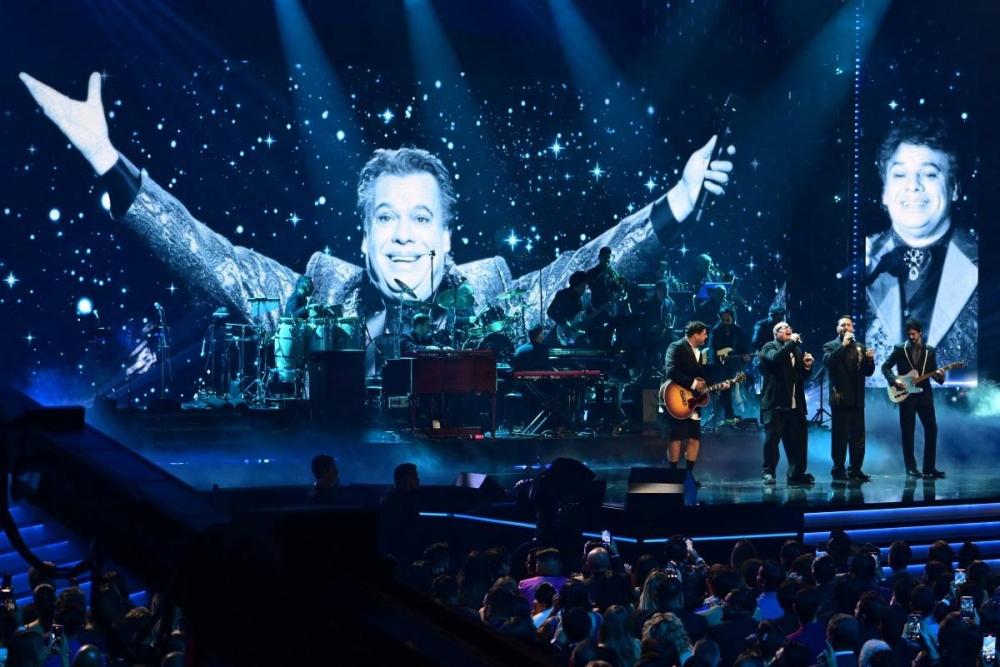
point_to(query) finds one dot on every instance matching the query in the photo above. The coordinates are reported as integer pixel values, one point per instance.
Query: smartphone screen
(913, 627)
(959, 577)
(989, 647)
(606, 536)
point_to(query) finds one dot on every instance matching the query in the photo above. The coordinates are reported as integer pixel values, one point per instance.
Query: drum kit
(250, 358)
(498, 327)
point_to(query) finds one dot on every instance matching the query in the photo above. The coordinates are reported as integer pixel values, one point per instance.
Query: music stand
(818, 418)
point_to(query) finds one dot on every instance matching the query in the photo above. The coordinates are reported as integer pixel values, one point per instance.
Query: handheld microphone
(432, 253)
(730, 110)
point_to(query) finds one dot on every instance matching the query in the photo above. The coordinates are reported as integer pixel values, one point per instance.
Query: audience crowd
(845, 605)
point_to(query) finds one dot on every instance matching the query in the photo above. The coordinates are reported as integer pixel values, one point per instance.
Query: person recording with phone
(848, 362)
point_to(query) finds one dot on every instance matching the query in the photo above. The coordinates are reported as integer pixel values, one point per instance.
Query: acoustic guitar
(680, 402)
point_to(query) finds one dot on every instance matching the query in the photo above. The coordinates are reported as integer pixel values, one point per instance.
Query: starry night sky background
(546, 153)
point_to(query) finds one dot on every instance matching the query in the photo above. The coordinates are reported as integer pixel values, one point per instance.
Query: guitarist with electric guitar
(728, 343)
(569, 314)
(684, 368)
(909, 370)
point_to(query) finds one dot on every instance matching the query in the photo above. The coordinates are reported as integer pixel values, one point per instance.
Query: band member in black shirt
(915, 355)
(848, 363)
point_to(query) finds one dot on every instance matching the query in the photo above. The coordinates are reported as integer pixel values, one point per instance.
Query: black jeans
(790, 428)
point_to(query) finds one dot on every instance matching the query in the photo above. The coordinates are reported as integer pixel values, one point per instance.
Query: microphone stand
(164, 352)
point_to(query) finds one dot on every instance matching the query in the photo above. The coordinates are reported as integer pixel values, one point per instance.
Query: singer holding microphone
(848, 363)
(785, 368)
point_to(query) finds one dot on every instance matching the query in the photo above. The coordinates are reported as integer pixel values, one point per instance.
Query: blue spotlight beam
(326, 120)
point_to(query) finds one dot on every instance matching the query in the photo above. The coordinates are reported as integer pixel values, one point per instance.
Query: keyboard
(555, 375)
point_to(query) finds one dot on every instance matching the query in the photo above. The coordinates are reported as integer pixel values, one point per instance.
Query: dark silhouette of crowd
(844, 604)
(67, 628)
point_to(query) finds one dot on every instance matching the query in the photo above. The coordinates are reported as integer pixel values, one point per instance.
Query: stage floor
(258, 449)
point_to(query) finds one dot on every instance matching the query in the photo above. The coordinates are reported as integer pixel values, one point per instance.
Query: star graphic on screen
(32, 150)
(30, 338)
(751, 264)
(683, 250)
(270, 140)
(173, 288)
(754, 163)
(597, 172)
(630, 207)
(387, 116)
(105, 76)
(11, 279)
(650, 184)
(512, 240)
(555, 148)
(893, 105)
(294, 219)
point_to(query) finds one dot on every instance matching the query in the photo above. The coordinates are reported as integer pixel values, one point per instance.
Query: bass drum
(501, 345)
(289, 349)
(492, 319)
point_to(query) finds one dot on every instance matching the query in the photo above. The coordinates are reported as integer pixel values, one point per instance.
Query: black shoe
(913, 472)
(840, 476)
(859, 476)
(934, 474)
(767, 477)
(802, 480)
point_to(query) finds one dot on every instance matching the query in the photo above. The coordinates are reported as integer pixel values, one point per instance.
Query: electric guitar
(725, 355)
(568, 334)
(681, 402)
(911, 380)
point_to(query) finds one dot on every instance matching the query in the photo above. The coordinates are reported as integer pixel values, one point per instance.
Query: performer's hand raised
(700, 171)
(807, 360)
(83, 123)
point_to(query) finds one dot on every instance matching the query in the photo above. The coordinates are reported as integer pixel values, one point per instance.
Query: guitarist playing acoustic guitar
(914, 358)
(684, 367)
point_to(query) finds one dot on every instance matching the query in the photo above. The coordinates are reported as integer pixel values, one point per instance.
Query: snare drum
(289, 352)
(491, 319)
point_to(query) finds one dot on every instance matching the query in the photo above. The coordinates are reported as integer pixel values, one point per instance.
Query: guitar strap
(909, 359)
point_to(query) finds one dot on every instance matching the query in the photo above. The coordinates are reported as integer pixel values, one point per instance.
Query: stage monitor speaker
(337, 384)
(489, 490)
(650, 489)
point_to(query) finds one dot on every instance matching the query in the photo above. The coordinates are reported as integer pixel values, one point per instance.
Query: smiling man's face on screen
(407, 223)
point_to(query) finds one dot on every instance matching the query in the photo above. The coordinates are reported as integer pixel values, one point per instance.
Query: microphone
(203, 346)
(432, 253)
(730, 110)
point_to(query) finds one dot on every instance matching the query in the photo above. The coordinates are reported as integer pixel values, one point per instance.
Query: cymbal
(221, 313)
(406, 289)
(511, 294)
(458, 299)
(263, 299)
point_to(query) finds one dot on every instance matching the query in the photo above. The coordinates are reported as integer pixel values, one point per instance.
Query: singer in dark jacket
(785, 369)
(848, 363)
(914, 355)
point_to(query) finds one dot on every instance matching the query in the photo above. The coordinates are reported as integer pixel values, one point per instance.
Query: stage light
(84, 307)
